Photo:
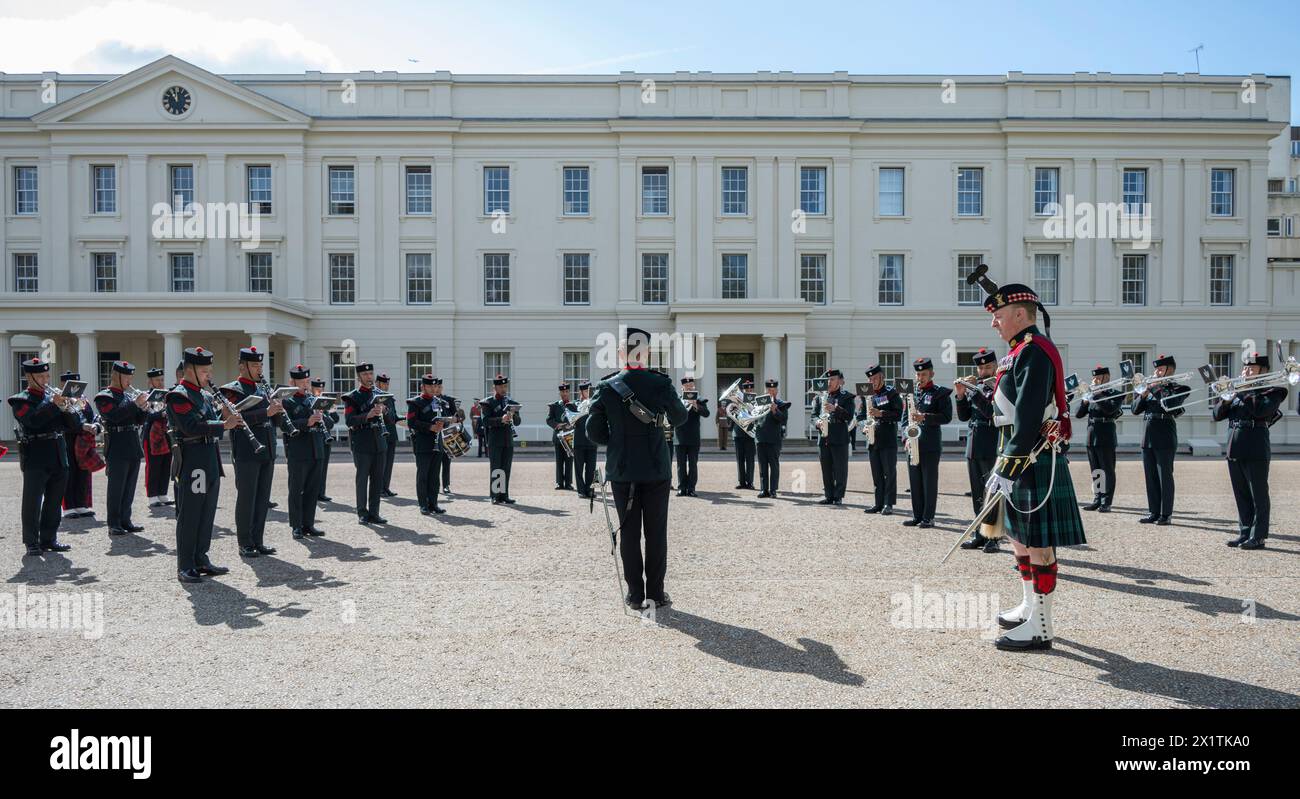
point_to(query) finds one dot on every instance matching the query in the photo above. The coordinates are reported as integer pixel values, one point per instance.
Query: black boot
(976, 541)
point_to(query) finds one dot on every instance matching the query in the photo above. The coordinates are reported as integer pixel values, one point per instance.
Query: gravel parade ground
(777, 603)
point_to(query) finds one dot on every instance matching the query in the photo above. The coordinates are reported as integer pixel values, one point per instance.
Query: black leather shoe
(873, 509)
(447, 491)
(663, 601)
(116, 531)
(911, 522)
(991, 546)
(837, 501)
(635, 603)
(694, 494)
(926, 523)
(1104, 509)
(210, 569)
(363, 520)
(56, 547)
(265, 550)
(189, 576)
(976, 541)
(1241, 539)
(559, 488)
(388, 493)
(826, 501)
(1092, 505)
(314, 531)
(763, 495)
(771, 495)
(1148, 520)
(298, 534)
(887, 511)
(1011, 645)
(437, 510)
(248, 552)
(1163, 521)
(740, 486)
(508, 500)
(1252, 543)
(679, 493)
(33, 551)
(375, 518)
(273, 504)
(133, 528)
(324, 499)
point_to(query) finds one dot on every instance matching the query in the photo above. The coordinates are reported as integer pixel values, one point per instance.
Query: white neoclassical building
(469, 225)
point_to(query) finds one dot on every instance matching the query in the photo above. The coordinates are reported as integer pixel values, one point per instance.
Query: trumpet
(74, 403)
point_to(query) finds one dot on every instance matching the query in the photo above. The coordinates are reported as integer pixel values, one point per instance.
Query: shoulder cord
(1050, 483)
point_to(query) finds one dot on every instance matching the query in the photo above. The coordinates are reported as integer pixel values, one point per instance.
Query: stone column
(292, 356)
(794, 356)
(771, 361)
(259, 341)
(140, 221)
(87, 358)
(173, 351)
(7, 383)
(706, 378)
(626, 227)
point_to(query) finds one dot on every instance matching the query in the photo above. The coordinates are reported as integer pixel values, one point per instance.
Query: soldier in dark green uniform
(78, 496)
(499, 420)
(555, 419)
(254, 469)
(584, 449)
(304, 449)
(833, 447)
(1249, 415)
(198, 423)
(425, 415)
(331, 419)
(885, 406)
(122, 420)
(769, 436)
(932, 408)
(369, 442)
(42, 418)
(157, 447)
(976, 409)
(627, 416)
(390, 427)
(688, 438)
(1102, 411)
(450, 407)
(746, 451)
(1159, 406)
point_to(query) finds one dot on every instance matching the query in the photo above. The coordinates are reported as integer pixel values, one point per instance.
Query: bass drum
(455, 441)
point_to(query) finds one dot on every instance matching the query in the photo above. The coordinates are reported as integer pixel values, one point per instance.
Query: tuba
(744, 413)
(571, 419)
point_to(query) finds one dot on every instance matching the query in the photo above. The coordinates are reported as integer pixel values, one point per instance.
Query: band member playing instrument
(199, 421)
(1249, 415)
(745, 449)
(932, 409)
(330, 419)
(1159, 406)
(83, 460)
(499, 419)
(556, 421)
(885, 407)
(584, 449)
(1102, 411)
(975, 407)
(449, 409)
(304, 450)
(390, 425)
(157, 448)
(424, 414)
(254, 470)
(123, 417)
(43, 418)
(626, 416)
(688, 439)
(368, 439)
(1038, 508)
(769, 436)
(833, 445)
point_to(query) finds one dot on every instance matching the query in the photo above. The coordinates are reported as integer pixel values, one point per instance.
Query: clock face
(176, 100)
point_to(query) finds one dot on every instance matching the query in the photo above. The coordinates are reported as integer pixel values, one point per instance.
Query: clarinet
(286, 426)
(215, 393)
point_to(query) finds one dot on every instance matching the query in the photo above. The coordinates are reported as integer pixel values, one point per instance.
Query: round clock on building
(176, 100)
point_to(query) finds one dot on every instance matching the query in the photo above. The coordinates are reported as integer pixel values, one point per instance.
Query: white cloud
(125, 34)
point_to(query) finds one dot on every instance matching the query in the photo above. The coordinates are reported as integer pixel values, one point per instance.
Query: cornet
(974, 382)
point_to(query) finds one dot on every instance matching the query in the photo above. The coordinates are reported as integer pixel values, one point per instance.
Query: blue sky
(604, 37)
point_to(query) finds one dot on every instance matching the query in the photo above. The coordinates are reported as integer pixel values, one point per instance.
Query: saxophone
(913, 432)
(868, 426)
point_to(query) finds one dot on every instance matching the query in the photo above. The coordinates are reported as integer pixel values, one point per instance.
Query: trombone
(1226, 389)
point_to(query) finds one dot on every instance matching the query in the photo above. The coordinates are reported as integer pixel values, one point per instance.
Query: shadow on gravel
(272, 572)
(51, 568)
(1141, 576)
(216, 603)
(754, 650)
(400, 535)
(1187, 687)
(1208, 604)
(136, 546)
(321, 547)
(717, 498)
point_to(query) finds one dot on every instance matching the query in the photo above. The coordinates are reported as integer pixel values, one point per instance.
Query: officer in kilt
(424, 421)
(254, 469)
(1160, 405)
(43, 455)
(770, 434)
(1038, 511)
(975, 407)
(584, 449)
(368, 439)
(885, 406)
(122, 420)
(1102, 411)
(157, 448)
(304, 449)
(556, 420)
(390, 426)
(1249, 415)
(330, 419)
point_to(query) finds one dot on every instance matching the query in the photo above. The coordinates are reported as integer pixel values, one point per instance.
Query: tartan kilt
(1057, 523)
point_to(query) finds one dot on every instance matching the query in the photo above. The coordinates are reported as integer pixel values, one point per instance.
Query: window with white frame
(259, 189)
(968, 294)
(891, 191)
(1222, 363)
(180, 180)
(342, 375)
(103, 198)
(26, 272)
(1222, 192)
(890, 290)
(812, 278)
(259, 272)
(26, 197)
(1047, 276)
(735, 276)
(343, 278)
(418, 364)
(1135, 192)
(970, 191)
(654, 278)
(105, 363)
(814, 366)
(182, 271)
(1274, 226)
(105, 266)
(494, 363)
(20, 378)
(1133, 279)
(735, 191)
(1047, 191)
(1221, 269)
(577, 191)
(575, 367)
(496, 278)
(419, 190)
(654, 191)
(812, 190)
(496, 190)
(1138, 358)
(419, 278)
(891, 365)
(343, 191)
(577, 278)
